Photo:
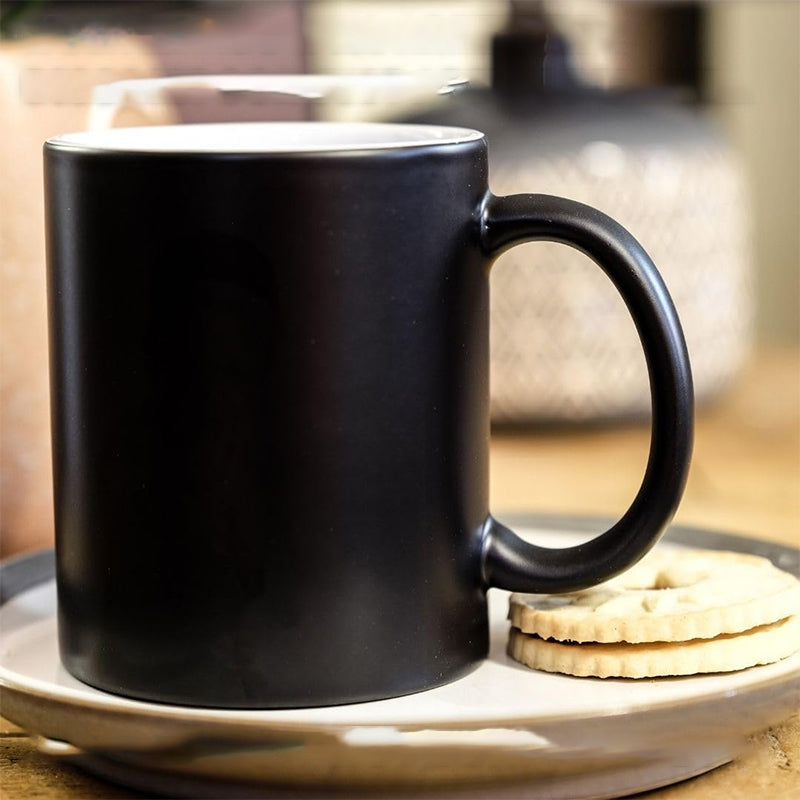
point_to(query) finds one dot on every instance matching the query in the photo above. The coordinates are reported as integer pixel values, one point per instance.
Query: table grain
(745, 479)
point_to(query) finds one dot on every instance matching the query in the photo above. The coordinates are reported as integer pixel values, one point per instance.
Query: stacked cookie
(676, 612)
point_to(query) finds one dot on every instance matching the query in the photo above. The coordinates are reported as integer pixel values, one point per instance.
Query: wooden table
(745, 479)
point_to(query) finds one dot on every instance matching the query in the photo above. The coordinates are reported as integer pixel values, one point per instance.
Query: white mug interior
(265, 137)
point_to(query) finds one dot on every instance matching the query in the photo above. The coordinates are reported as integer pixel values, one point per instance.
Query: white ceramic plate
(525, 734)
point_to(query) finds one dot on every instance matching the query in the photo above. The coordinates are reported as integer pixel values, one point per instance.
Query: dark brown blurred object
(660, 44)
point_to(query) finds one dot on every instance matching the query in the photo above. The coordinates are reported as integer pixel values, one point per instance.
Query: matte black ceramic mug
(269, 348)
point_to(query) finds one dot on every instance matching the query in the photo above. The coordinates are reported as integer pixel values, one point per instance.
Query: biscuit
(725, 653)
(669, 596)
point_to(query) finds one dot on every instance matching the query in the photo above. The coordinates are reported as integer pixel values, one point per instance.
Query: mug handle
(510, 563)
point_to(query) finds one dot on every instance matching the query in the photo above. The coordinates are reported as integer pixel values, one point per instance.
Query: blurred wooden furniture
(745, 479)
(745, 475)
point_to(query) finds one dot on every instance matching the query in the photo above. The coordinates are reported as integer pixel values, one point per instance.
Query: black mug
(270, 406)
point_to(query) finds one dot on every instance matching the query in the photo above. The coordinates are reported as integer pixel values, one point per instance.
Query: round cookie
(669, 596)
(726, 653)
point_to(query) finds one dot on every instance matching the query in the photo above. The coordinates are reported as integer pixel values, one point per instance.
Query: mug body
(269, 368)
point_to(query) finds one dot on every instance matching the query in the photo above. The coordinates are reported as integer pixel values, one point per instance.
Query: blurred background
(680, 119)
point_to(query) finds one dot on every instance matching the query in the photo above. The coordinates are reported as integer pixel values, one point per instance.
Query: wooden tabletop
(745, 479)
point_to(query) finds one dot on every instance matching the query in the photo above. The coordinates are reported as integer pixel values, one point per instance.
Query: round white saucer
(526, 734)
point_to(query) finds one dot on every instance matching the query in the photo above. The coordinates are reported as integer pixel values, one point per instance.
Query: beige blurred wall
(754, 73)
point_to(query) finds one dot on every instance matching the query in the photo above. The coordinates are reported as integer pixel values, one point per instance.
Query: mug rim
(264, 138)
